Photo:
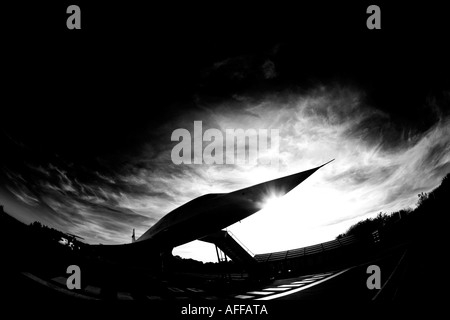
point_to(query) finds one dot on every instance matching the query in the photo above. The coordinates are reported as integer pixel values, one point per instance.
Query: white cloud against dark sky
(379, 166)
(90, 153)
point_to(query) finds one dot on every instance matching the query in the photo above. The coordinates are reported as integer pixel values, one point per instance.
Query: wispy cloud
(380, 165)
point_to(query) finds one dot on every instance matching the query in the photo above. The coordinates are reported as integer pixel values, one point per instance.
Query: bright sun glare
(272, 201)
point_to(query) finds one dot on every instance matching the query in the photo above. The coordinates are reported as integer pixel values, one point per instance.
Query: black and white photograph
(224, 160)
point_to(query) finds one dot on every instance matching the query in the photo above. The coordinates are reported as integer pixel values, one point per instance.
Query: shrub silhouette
(429, 214)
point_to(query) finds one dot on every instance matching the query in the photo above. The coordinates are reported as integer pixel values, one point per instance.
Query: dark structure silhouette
(201, 219)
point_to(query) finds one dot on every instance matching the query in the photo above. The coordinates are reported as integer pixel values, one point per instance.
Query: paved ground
(347, 284)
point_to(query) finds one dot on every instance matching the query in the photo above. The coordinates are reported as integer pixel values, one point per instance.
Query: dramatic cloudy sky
(86, 133)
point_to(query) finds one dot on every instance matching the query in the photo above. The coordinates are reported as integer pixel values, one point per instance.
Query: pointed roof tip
(326, 163)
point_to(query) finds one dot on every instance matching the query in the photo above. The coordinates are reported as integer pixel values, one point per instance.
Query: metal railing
(309, 250)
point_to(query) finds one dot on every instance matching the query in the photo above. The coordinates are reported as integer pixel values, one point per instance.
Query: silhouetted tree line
(48, 232)
(427, 202)
(52, 234)
(189, 264)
